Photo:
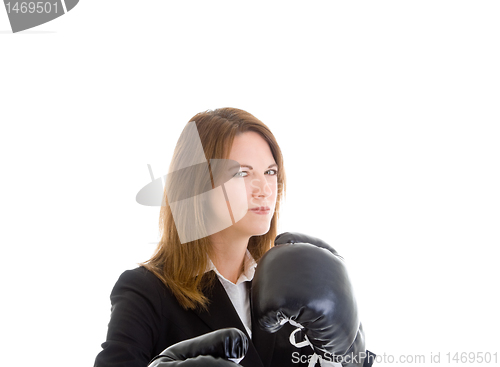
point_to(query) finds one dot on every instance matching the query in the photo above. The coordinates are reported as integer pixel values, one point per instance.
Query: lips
(261, 210)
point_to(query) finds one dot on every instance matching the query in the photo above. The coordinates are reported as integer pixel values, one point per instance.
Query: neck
(228, 254)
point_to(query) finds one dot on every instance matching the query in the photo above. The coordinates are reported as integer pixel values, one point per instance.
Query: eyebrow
(250, 167)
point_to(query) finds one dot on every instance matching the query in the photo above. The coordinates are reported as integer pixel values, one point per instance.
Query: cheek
(237, 195)
(215, 211)
(273, 186)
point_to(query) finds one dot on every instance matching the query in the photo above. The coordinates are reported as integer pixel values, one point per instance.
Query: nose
(260, 187)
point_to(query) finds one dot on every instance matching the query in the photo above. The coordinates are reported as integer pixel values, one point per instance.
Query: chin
(254, 228)
(262, 230)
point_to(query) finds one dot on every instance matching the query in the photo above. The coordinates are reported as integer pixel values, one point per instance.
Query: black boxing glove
(303, 280)
(208, 350)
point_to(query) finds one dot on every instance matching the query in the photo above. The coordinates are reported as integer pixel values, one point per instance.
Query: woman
(198, 280)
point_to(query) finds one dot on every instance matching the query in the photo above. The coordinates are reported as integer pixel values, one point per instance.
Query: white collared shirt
(238, 293)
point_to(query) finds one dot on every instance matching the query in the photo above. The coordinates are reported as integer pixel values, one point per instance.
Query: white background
(387, 113)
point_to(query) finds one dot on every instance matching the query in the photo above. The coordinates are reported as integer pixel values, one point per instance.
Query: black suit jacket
(146, 318)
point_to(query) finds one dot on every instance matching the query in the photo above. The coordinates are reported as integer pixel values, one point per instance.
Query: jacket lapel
(221, 314)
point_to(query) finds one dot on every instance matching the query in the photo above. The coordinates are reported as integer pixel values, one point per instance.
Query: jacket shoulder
(135, 326)
(138, 275)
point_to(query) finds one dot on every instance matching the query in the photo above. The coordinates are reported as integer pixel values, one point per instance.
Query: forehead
(250, 145)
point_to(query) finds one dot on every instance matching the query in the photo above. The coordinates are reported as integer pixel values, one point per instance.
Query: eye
(272, 172)
(241, 174)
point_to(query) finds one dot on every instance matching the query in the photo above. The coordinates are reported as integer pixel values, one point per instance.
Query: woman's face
(258, 174)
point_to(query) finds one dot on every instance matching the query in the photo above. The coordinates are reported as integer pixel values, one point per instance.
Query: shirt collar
(249, 265)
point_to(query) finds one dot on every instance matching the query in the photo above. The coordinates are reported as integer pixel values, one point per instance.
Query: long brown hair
(179, 265)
